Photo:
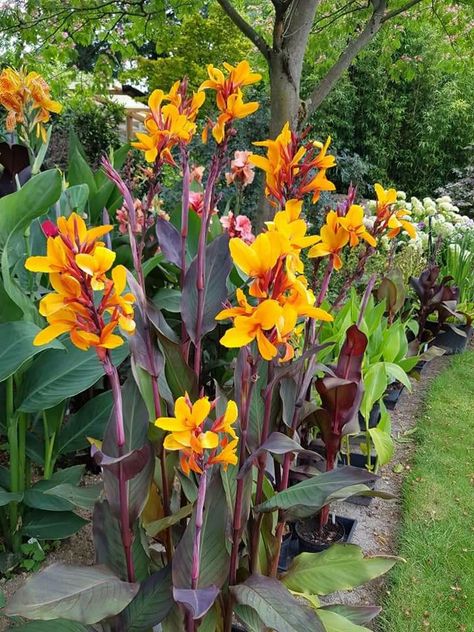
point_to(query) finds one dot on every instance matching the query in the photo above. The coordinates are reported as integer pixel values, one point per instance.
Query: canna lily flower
(397, 222)
(96, 265)
(189, 437)
(244, 308)
(77, 264)
(385, 199)
(186, 426)
(257, 259)
(227, 456)
(302, 300)
(293, 170)
(229, 96)
(226, 421)
(171, 122)
(292, 230)
(333, 240)
(253, 327)
(353, 223)
(26, 97)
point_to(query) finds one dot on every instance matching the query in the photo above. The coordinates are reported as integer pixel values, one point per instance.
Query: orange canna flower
(333, 240)
(228, 454)
(257, 259)
(397, 222)
(26, 97)
(387, 217)
(189, 436)
(77, 264)
(291, 170)
(353, 224)
(171, 122)
(229, 96)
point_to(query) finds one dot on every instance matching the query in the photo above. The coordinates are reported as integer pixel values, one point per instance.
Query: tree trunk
(285, 94)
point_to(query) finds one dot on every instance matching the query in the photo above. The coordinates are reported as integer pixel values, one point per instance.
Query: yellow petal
(200, 411)
(235, 338)
(49, 333)
(209, 440)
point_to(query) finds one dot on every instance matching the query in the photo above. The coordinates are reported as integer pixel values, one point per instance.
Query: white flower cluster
(444, 217)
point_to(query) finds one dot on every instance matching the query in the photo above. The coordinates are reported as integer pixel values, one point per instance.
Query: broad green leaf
(375, 385)
(153, 528)
(179, 376)
(341, 567)
(37, 497)
(84, 497)
(334, 622)
(10, 311)
(397, 373)
(88, 421)
(249, 618)
(355, 614)
(74, 199)
(57, 375)
(307, 497)
(381, 435)
(151, 604)
(18, 209)
(276, 606)
(8, 497)
(86, 594)
(79, 172)
(218, 266)
(51, 525)
(168, 299)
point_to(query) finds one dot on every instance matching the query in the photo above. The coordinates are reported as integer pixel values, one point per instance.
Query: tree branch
(245, 27)
(402, 9)
(354, 47)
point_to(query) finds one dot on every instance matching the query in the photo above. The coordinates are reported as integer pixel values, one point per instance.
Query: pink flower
(196, 174)
(196, 203)
(49, 228)
(239, 226)
(241, 170)
(122, 218)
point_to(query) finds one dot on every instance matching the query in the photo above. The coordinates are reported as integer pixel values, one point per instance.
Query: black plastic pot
(308, 546)
(451, 341)
(289, 549)
(393, 395)
(374, 418)
(360, 460)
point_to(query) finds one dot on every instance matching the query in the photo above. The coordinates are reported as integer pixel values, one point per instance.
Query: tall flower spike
(229, 97)
(26, 97)
(77, 264)
(292, 169)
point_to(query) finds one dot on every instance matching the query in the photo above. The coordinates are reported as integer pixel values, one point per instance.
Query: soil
(77, 550)
(309, 531)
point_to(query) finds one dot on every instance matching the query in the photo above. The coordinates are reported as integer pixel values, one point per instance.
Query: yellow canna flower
(257, 259)
(253, 327)
(333, 240)
(26, 97)
(397, 222)
(96, 265)
(244, 308)
(228, 454)
(189, 437)
(353, 223)
(385, 199)
(77, 264)
(302, 301)
(229, 96)
(292, 230)
(227, 420)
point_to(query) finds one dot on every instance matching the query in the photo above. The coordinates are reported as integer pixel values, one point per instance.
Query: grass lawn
(434, 590)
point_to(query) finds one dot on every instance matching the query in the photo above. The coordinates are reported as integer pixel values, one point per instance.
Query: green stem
(12, 433)
(49, 441)
(22, 426)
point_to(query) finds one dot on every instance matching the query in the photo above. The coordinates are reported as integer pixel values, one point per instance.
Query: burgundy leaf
(197, 601)
(169, 239)
(349, 365)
